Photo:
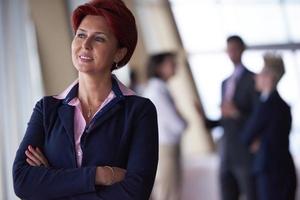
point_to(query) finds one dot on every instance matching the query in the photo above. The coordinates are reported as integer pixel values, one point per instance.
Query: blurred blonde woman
(267, 135)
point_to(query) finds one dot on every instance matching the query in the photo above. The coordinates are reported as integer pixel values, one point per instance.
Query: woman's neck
(268, 90)
(93, 90)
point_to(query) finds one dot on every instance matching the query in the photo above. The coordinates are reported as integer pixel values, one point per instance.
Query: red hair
(119, 18)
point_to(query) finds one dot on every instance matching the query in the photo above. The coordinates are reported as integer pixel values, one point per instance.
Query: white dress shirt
(170, 123)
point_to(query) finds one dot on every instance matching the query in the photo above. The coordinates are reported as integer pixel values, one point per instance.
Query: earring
(117, 66)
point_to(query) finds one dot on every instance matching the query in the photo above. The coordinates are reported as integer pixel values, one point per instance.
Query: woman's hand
(254, 147)
(109, 175)
(35, 157)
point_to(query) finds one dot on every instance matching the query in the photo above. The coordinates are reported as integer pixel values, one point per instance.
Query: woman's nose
(87, 43)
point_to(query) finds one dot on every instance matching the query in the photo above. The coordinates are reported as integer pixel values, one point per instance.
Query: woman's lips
(85, 58)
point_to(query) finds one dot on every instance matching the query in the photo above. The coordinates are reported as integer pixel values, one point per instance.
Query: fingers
(44, 160)
(35, 157)
(31, 157)
(30, 162)
(254, 147)
(119, 174)
(36, 154)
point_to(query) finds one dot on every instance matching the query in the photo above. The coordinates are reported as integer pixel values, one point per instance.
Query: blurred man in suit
(267, 134)
(238, 100)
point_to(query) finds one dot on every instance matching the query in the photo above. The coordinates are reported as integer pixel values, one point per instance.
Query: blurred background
(35, 60)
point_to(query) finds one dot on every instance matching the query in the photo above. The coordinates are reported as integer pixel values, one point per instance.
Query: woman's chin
(84, 67)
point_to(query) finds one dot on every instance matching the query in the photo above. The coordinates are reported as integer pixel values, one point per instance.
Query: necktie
(231, 86)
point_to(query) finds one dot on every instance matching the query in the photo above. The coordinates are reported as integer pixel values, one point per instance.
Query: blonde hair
(274, 63)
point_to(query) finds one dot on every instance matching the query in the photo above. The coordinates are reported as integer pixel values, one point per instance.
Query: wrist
(105, 176)
(111, 171)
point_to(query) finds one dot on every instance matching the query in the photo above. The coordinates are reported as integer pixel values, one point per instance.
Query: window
(264, 25)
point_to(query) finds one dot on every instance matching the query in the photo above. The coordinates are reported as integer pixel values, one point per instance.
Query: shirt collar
(118, 88)
(264, 96)
(238, 70)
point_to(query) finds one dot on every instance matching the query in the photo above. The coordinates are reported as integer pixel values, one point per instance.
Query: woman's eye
(99, 39)
(80, 35)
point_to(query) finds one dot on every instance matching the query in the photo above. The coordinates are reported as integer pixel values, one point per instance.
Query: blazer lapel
(66, 115)
(103, 116)
(239, 85)
(111, 108)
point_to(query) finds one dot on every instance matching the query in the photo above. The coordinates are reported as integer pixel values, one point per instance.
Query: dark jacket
(123, 134)
(233, 151)
(271, 123)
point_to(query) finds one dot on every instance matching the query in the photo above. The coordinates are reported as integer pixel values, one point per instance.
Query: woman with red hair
(97, 139)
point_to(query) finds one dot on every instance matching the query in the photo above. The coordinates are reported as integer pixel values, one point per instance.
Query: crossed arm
(33, 181)
(105, 175)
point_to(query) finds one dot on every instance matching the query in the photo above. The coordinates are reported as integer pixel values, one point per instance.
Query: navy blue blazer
(271, 122)
(123, 134)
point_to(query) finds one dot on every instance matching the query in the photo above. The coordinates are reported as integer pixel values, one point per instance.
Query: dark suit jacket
(271, 122)
(233, 151)
(123, 134)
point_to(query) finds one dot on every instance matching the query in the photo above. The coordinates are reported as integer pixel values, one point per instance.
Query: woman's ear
(121, 53)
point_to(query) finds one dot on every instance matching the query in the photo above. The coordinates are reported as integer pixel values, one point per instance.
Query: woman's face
(94, 47)
(263, 80)
(167, 68)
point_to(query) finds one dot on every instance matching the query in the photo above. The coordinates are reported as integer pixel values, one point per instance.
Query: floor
(200, 178)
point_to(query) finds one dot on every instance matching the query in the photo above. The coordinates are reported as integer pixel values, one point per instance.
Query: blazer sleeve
(142, 161)
(256, 124)
(43, 182)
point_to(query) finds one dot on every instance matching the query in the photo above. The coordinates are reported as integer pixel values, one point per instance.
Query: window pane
(191, 1)
(295, 137)
(249, 1)
(253, 60)
(289, 85)
(209, 70)
(257, 23)
(204, 26)
(292, 12)
(199, 26)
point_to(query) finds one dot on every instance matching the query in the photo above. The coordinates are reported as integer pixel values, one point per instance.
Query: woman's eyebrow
(80, 29)
(97, 32)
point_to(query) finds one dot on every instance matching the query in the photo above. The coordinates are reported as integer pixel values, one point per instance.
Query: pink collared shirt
(79, 121)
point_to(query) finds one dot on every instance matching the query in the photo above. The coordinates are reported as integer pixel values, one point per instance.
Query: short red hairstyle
(119, 18)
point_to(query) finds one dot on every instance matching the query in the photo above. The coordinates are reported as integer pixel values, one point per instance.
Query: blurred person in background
(135, 85)
(97, 139)
(162, 67)
(267, 135)
(238, 100)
